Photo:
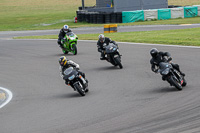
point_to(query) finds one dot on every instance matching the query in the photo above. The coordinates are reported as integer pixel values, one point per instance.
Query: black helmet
(154, 52)
(62, 60)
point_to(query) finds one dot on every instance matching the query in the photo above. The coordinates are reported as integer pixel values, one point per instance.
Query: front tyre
(184, 82)
(176, 83)
(74, 49)
(118, 63)
(80, 89)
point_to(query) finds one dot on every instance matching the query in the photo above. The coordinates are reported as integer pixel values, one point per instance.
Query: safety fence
(160, 14)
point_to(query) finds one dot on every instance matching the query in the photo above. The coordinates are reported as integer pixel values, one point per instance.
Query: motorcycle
(112, 55)
(170, 74)
(69, 43)
(76, 81)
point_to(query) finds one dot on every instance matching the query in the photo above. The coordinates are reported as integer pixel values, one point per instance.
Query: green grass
(37, 14)
(189, 37)
(50, 14)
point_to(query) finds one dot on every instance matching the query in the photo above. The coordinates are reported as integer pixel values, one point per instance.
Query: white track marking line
(8, 99)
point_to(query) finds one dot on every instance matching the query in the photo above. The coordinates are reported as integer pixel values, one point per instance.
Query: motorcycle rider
(100, 45)
(64, 64)
(62, 33)
(159, 56)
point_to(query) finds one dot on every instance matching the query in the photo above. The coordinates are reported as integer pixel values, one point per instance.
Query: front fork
(83, 81)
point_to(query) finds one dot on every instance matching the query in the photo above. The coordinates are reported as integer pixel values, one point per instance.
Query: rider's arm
(70, 62)
(154, 67)
(61, 34)
(111, 41)
(167, 56)
(69, 30)
(99, 47)
(108, 40)
(61, 71)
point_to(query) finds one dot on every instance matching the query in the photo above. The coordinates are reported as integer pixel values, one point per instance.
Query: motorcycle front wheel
(80, 89)
(119, 63)
(74, 49)
(176, 83)
(184, 82)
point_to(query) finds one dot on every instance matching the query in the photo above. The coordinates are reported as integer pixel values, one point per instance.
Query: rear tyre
(80, 89)
(119, 63)
(176, 83)
(65, 52)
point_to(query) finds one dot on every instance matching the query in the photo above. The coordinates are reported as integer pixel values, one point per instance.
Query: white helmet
(101, 38)
(66, 28)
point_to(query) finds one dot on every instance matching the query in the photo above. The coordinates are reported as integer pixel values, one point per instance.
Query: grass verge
(53, 14)
(187, 37)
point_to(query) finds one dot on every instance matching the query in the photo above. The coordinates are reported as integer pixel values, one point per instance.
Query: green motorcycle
(69, 43)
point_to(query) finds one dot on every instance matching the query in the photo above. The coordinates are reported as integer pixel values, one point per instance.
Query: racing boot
(183, 74)
(102, 56)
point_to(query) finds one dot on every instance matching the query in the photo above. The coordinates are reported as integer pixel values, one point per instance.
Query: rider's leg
(176, 66)
(59, 42)
(102, 56)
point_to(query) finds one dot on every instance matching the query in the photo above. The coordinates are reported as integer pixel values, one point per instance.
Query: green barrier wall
(190, 12)
(164, 14)
(132, 16)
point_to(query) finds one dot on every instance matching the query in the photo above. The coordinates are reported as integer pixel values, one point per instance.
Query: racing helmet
(65, 28)
(154, 52)
(101, 38)
(62, 61)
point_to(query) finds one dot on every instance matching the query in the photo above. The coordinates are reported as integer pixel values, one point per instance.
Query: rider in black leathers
(159, 56)
(100, 44)
(62, 34)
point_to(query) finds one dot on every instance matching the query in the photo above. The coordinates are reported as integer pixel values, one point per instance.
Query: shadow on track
(107, 68)
(164, 90)
(61, 54)
(68, 95)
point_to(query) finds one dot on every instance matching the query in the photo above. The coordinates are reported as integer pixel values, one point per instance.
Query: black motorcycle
(172, 75)
(112, 55)
(76, 81)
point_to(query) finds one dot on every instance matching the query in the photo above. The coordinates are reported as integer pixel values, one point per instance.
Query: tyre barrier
(99, 17)
(113, 17)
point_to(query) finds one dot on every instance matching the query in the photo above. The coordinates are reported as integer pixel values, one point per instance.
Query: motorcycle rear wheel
(65, 52)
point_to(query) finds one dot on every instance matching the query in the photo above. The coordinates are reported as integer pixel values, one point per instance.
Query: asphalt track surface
(128, 100)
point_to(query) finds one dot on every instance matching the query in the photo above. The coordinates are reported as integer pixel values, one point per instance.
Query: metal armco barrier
(110, 28)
